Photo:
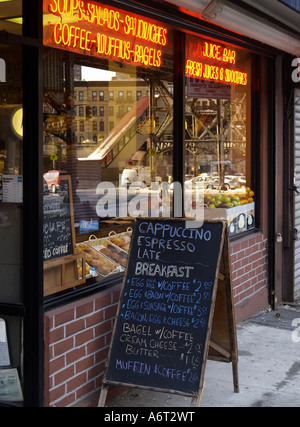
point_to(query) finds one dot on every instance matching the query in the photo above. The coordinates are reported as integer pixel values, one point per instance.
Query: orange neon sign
(214, 62)
(93, 29)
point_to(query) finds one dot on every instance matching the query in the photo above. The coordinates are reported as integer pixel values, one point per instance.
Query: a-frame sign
(175, 311)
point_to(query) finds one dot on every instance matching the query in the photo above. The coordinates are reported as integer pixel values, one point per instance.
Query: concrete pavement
(269, 369)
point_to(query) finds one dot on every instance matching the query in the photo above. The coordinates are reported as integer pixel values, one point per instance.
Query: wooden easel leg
(235, 375)
(196, 400)
(103, 394)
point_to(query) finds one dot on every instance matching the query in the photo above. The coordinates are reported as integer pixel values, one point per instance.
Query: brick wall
(77, 336)
(249, 267)
(77, 339)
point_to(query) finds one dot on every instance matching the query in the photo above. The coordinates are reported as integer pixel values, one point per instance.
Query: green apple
(227, 199)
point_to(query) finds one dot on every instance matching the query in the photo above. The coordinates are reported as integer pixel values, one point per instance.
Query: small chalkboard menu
(58, 224)
(161, 334)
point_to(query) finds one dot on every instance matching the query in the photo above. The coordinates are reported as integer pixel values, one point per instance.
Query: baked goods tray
(103, 265)
(108, 249)
(80, 266)
(121, 240)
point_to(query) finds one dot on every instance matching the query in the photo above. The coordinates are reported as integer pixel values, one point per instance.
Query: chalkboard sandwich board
(60, 262)
(162, 330)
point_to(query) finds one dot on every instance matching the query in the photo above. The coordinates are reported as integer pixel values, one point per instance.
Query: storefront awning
(251, 18)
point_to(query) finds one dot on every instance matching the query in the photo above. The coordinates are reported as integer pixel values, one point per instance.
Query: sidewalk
(269, 369)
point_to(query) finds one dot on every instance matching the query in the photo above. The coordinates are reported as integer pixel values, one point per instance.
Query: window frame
(184, 26)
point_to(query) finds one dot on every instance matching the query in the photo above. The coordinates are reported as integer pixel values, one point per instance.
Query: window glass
(11, 230)
(11, 16)
(11, 171)
(218, 130)
(110, 145)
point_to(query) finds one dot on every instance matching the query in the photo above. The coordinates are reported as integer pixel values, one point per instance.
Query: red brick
(56, 364)
(75, 355)
(84, 337)
(103, 328)
(116, 297)
(64, 317)
(103, 302)
(85, 309)
(63, 346)
(244, 244)
(62, 376)
(102, 355)
(95, 345)
(85, 389)
(96, 370)
(56, 334)
(66, 401)
(94, 319)
(57, 393)
(110, 311)
(76, 382)
(74, 327)
(84, 364)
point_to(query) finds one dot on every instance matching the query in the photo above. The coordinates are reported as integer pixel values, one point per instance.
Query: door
(296, 188)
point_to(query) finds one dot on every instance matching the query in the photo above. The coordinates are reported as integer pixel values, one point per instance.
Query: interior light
(17, 20)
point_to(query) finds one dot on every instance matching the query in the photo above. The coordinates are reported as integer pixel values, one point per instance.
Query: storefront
(111, 111)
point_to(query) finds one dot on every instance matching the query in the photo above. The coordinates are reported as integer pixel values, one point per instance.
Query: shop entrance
(291, 230)
(296, 231)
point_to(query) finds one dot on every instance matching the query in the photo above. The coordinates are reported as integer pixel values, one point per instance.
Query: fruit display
(228, 199)
(236, 206)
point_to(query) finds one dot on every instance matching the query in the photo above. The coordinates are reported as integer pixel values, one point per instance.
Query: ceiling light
(17, 20)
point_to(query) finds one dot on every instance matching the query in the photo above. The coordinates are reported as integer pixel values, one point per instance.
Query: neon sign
(211, 61)
(93, 29)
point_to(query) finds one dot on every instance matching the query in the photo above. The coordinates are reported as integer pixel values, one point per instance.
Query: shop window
(218, 131)
(132, 153)
(11, 16)
(11, 228)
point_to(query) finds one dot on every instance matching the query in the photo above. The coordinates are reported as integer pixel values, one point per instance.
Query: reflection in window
(2, 70)
(114, 132)
(218, 121)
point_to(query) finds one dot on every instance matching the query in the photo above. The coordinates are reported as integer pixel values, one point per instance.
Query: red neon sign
(211, 61)
(93, 29)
